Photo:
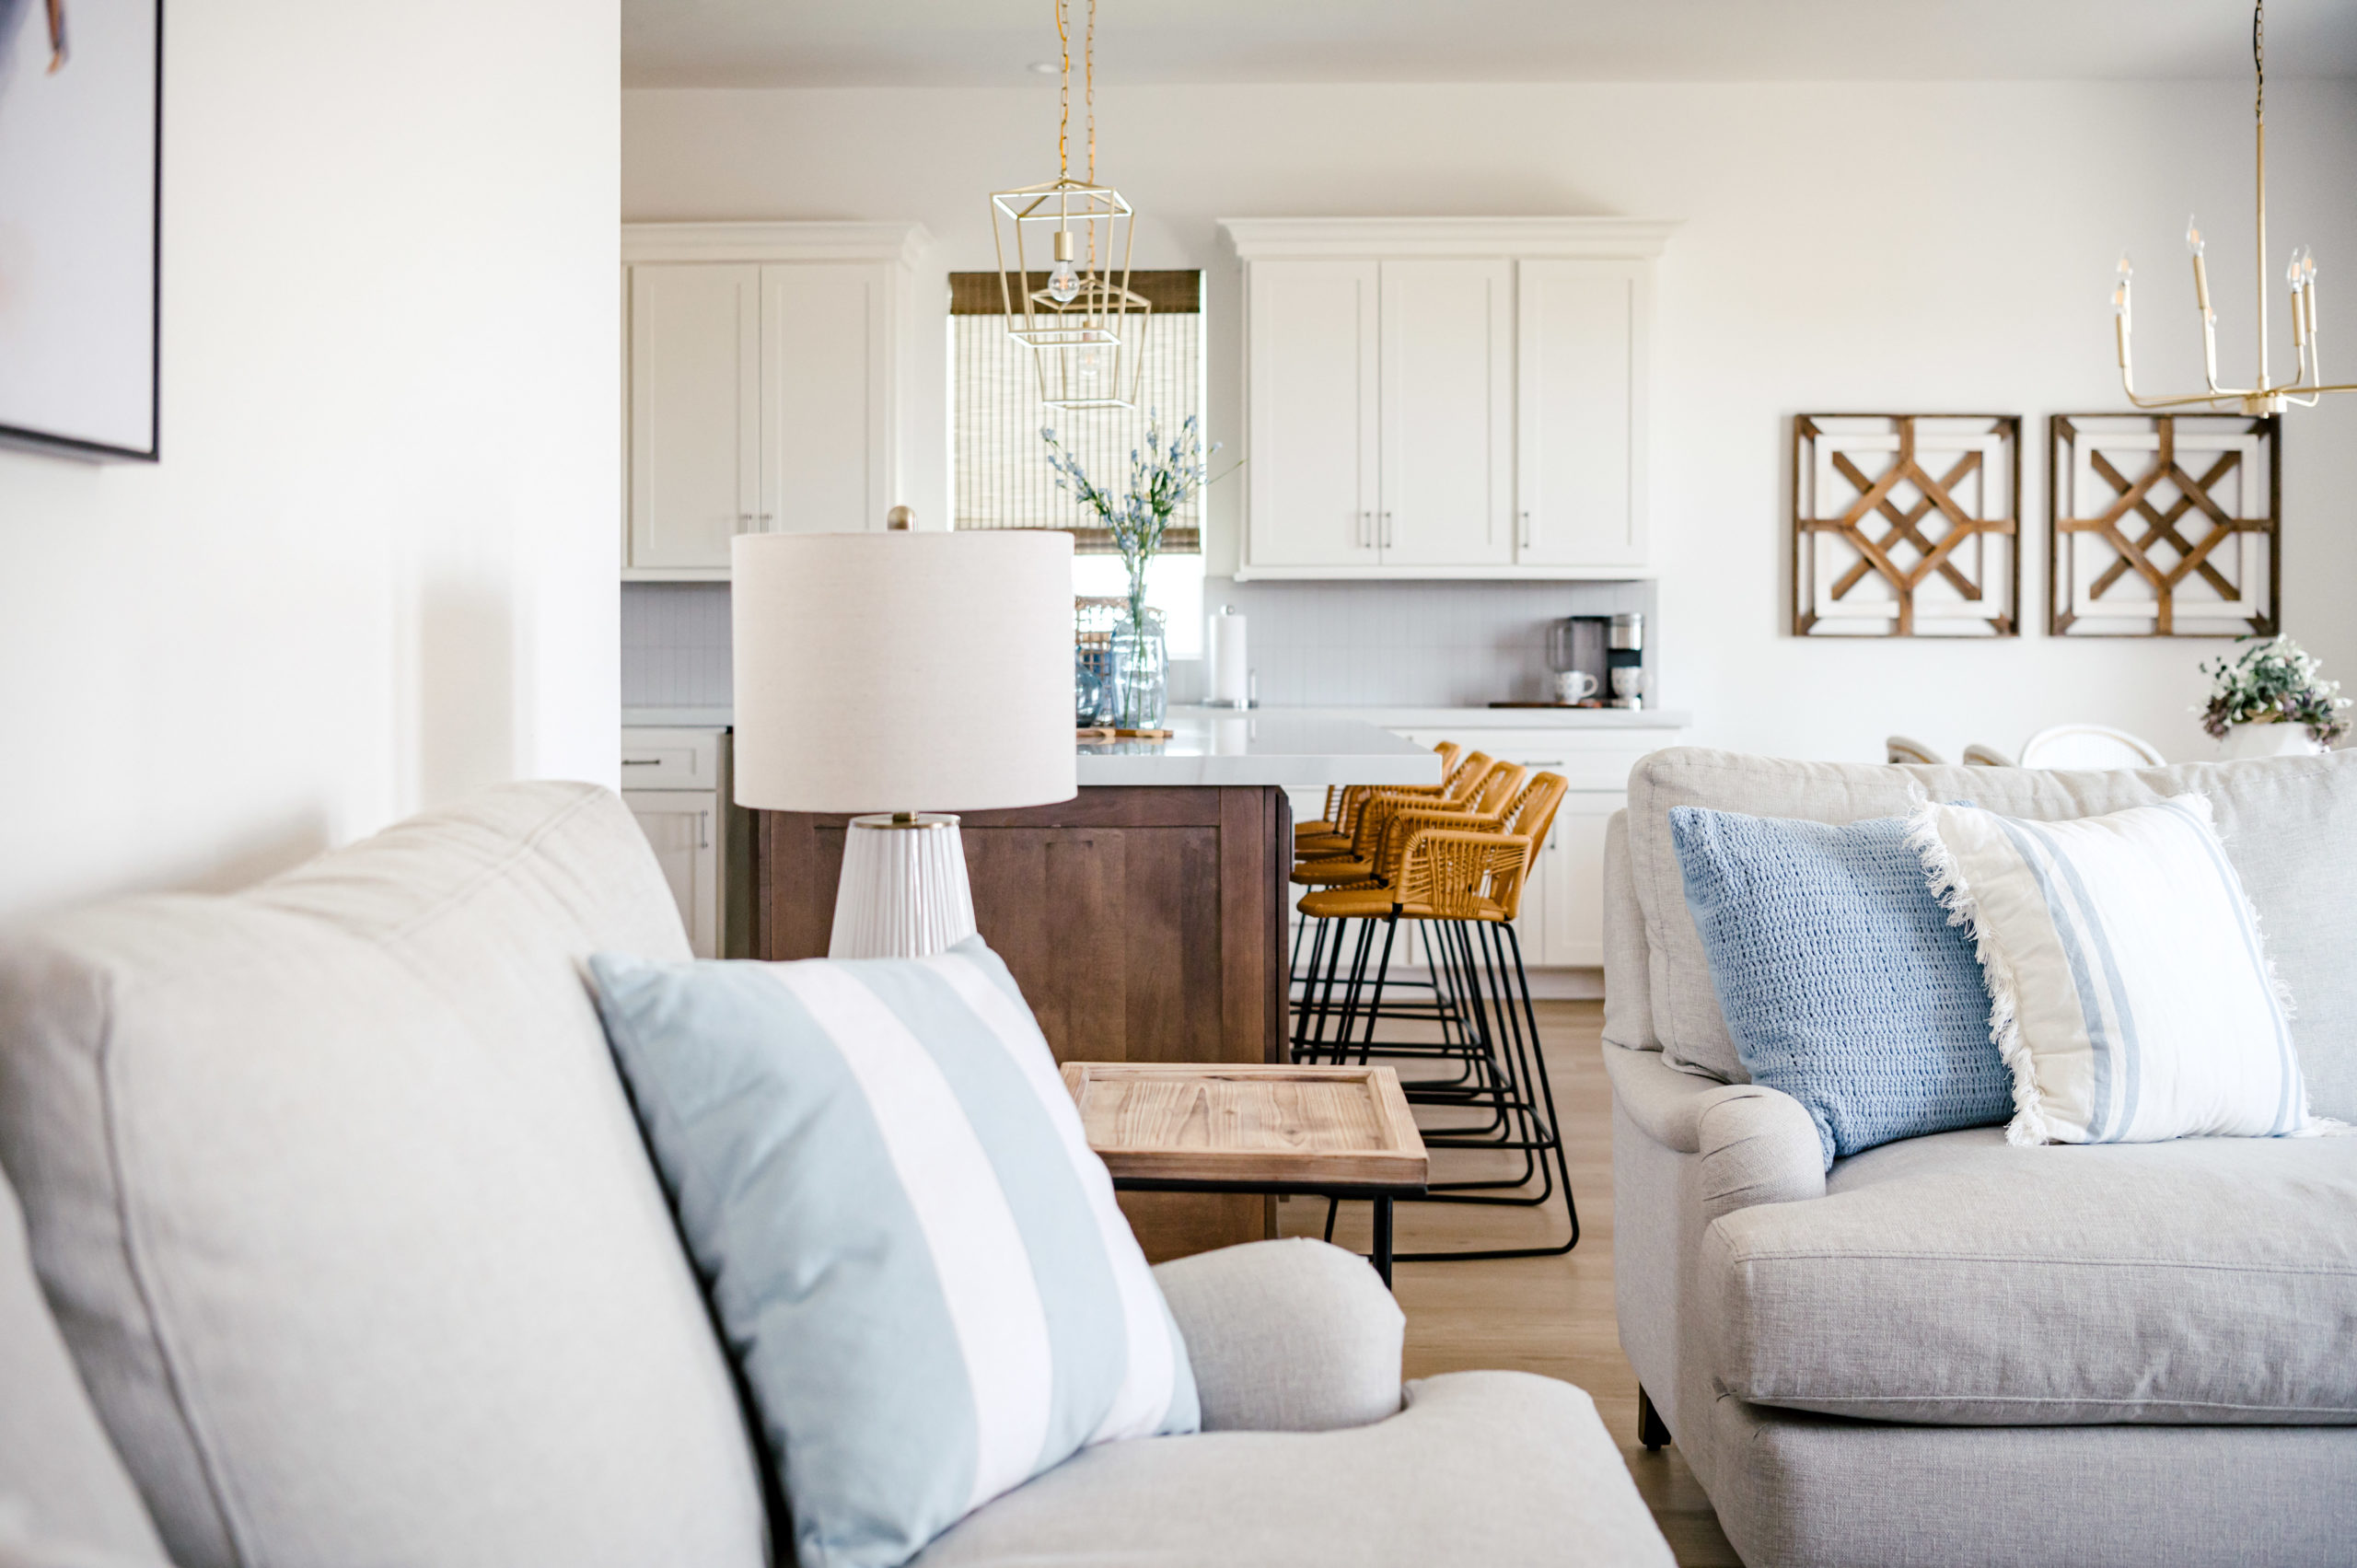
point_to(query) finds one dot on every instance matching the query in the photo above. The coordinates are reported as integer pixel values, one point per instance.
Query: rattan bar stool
(1357, 889)
(1460, 888)
(1333, 860)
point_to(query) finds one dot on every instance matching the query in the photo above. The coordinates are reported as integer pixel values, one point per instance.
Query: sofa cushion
(916, 1254)
(2128, 989)
(60, 1485)
(340, 1205)
(1501, 1469)
(1959, 1279)
(1841, 980)
(2289, 827)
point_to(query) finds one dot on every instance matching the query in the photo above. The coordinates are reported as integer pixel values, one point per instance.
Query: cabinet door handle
(642, 761)
(1525, 531)
(1388, 540)
(704, 830)
(1365, 518)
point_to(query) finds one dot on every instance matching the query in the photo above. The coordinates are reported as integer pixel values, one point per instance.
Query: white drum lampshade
(902, 674)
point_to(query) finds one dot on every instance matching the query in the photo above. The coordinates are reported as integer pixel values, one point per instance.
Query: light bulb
(1091, 358)
(2126, 272)
(2307, 267)
(2193, 242)
(2120, 300)
(2292, 273)
(1064, 278)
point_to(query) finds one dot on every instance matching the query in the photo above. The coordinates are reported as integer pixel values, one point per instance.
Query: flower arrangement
(1163, 477)
(2273, 682)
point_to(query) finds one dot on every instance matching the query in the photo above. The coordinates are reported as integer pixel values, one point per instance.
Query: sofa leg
(1650, 1430)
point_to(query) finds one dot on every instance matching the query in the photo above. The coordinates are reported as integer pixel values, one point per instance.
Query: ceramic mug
(1628, 681)
(1574, 686)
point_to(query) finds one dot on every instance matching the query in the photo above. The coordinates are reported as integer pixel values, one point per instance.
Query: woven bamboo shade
(999, 470)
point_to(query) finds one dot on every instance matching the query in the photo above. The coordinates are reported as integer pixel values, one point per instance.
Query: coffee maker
(1576, 655)
(1624, 659)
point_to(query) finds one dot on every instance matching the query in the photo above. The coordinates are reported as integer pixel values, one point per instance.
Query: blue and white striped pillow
(915, 1256)
(2128, 992)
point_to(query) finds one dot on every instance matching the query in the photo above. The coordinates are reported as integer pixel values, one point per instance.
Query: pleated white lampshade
(902, 672)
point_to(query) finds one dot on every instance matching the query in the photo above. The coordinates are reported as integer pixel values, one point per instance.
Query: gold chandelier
(1085, 326)
(2268, 397)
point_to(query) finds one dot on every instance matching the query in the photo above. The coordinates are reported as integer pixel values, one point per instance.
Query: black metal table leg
(1383, 1237)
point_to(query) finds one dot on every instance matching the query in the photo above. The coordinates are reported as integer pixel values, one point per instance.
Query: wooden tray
(1175, 1122)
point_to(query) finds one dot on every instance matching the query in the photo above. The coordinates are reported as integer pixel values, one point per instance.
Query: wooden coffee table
(1322, 1132)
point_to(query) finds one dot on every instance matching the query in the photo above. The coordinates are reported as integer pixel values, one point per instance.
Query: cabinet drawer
(671, 759)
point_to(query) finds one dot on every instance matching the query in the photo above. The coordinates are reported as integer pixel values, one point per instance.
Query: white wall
(377, 565)
(1847, 247)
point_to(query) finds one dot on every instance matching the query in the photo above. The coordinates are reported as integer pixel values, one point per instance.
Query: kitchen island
(1145, 918)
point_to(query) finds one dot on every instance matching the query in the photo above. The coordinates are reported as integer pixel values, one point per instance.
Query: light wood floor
(1552, 1316)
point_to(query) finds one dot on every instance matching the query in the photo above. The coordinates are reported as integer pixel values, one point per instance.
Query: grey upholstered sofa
(1952, 1351)
(348, 1252)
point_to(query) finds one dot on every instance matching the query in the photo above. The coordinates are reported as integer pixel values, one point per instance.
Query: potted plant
(1164, 476)
(2272, 700)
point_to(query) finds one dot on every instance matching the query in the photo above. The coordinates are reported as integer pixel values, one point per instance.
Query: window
(999, 474)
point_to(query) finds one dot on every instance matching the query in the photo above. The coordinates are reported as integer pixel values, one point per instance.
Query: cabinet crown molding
(907, 243)
(1627, 238)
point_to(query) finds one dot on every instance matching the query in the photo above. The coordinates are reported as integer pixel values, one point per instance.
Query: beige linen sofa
(339, 1246)
(1949, 1350)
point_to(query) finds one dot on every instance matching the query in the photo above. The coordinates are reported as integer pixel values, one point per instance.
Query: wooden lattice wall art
(1905, 525)
(2164, 525)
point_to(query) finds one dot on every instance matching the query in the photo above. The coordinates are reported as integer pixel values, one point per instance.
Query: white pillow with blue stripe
(914, 1255)
(2129, 990)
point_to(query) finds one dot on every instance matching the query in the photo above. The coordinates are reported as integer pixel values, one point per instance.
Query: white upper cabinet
(1580, 441)
(769, 384)
(827, 436)
(1447, 414)
(695, 357)
(1446, 397)
(1314, 397)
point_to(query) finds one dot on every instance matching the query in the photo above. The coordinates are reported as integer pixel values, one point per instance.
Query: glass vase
(1141, 672)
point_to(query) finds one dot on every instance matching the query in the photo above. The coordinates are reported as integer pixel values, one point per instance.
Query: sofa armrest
(1286, 1336)
(1757, 1145)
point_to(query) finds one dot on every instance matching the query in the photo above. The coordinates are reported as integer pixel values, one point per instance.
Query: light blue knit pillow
(1842, 982)
(914, 1255)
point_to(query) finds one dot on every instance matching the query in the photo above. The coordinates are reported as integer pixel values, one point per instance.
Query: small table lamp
(902, 674)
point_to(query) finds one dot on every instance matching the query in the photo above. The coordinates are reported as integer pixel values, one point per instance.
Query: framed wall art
(2164, 525)
(1905, 525)
(81, 116)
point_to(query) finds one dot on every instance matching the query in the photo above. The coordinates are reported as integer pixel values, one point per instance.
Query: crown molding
(907, 243)
(1625, 239)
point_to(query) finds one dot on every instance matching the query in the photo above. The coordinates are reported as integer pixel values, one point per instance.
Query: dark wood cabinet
(1143, 923)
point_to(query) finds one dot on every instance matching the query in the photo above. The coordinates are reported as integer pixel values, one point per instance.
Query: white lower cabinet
(676, 783)
(680, 824)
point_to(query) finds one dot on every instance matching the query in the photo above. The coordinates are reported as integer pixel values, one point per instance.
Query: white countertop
(1297, 750)
(676, 718)
(1502, 718)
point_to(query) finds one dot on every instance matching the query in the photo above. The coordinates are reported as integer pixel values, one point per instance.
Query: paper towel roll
(1231, 670)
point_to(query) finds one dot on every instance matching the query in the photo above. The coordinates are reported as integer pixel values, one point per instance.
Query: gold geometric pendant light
(1085, 326)
(2267, 397)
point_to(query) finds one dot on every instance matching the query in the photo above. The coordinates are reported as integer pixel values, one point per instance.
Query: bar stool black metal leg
(1383, 1238)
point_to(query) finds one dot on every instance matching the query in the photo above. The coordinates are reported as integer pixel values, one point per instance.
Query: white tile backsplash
(1436, 645)
(1421, 644)
(676, 645)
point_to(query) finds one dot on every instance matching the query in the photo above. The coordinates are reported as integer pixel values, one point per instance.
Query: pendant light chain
(1063, 103)
(1089, 87)
(2258, 57)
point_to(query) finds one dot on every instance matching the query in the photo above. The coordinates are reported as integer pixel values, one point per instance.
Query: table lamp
(904, 675)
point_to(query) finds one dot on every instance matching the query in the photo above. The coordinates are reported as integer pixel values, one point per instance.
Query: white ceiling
(993, 42)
